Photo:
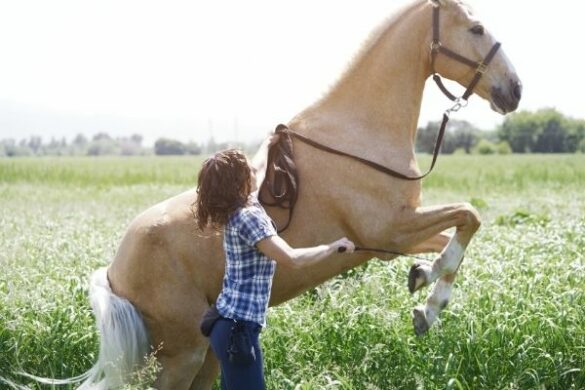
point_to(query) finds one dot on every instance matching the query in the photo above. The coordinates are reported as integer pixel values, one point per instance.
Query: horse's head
(466, 36)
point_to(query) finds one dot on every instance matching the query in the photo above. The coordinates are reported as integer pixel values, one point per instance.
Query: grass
(100, 171)
(516, 319)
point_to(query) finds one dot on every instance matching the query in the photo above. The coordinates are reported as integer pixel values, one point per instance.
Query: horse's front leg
(435, 244)
(421, 229)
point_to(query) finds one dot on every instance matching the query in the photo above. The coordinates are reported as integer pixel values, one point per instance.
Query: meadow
(516, 319)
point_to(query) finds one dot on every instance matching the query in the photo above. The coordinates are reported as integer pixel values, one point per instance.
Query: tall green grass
(463, 172)
(516, 319)
(101, 171)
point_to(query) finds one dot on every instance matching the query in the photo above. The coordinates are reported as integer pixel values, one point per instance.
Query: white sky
(180, 68)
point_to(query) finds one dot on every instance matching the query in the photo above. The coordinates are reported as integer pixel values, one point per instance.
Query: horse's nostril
(517, 90)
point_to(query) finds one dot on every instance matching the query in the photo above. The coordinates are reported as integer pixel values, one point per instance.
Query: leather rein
(284, 181)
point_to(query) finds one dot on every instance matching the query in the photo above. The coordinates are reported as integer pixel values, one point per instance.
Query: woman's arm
(260, 159)
(276, 248)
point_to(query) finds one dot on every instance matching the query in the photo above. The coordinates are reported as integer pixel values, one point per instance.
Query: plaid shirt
(248, 272)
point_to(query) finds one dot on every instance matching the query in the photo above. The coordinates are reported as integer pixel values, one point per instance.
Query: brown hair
(223, 186)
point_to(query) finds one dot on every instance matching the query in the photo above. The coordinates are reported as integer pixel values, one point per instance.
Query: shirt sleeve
(255, 225)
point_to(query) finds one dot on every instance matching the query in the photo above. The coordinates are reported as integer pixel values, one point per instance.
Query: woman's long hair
(223, 186)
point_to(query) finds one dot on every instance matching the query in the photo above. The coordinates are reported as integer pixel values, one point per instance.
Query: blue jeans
(237, 376)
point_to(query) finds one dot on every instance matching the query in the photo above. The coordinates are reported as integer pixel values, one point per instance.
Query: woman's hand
(343, 245)
(276, 248)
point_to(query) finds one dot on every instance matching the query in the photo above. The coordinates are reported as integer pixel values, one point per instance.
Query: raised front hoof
(419, 321)
(417, 277)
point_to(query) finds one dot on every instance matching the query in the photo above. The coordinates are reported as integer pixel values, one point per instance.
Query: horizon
(176, 71)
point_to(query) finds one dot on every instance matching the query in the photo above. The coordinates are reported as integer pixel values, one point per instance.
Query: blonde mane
(373, 38)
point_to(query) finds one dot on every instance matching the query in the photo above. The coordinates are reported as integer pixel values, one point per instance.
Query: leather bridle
(438, 48)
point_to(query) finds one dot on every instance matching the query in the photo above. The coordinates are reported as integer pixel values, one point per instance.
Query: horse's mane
(386, 26)
(377, 34)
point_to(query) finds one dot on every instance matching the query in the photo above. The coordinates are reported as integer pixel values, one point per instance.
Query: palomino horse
(170, 275)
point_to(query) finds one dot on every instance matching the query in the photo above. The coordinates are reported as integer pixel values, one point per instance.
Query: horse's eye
(477, 29)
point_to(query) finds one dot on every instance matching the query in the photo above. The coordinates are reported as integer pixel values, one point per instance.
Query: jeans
(236, 376)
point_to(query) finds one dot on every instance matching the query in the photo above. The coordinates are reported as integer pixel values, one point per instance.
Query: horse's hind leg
(179, 370)
(207, 374)
(426, 223)
(183, 347)
(181, 363)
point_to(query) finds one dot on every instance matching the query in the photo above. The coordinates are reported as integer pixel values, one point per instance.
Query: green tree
(35, 143)
(459, 134)
(100, 136)
(553, 132)
(576, 136)
(193, 148)
(166, 146)
(103, 147)
(520, 130)
(581, 146)
(80, 140)
(503, 148)
(485, 147)
(543, 131)
(465, 135)
(136, 139)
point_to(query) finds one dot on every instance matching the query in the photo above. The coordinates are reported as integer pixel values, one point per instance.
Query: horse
(165, 274)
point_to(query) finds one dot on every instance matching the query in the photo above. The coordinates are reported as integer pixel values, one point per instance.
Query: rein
(283, 187)
(388, 171)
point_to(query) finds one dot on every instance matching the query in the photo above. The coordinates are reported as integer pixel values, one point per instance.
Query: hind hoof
(419, 321)
(417, 277)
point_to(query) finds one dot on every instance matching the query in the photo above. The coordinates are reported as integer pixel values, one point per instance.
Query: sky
(234, 69)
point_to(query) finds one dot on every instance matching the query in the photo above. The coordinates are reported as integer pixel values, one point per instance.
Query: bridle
(480, 67)
(284, 192)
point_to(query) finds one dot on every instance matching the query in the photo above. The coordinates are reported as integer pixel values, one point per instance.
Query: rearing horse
(170, 275)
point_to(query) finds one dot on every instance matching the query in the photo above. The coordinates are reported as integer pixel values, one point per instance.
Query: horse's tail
(124, 341)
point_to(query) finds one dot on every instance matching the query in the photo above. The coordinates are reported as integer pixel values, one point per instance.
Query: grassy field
(516, 319)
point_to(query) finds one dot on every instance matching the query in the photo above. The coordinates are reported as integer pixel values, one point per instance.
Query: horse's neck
(376, 103)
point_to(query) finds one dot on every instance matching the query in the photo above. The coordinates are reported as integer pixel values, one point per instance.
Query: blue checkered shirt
(248, 272)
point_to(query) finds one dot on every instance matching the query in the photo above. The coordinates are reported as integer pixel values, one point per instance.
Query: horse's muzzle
(507, 99)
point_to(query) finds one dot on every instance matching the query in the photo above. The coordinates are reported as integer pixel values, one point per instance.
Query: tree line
(102, 144)
(542, 131)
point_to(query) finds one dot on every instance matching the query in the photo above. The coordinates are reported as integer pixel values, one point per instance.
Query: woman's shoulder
(251, 210)
(251, 222)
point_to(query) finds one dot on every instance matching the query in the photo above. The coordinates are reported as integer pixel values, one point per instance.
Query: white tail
(124, 341)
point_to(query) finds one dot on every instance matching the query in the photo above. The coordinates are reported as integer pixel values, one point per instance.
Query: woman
(227, 200)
